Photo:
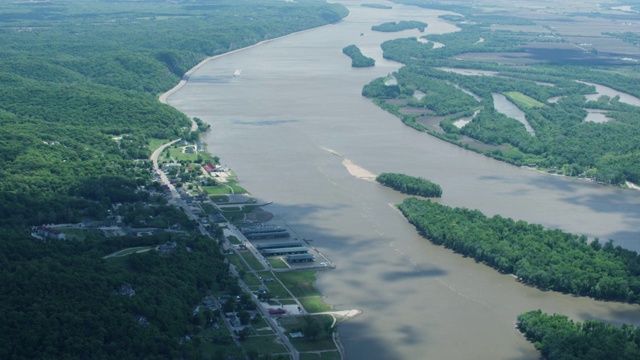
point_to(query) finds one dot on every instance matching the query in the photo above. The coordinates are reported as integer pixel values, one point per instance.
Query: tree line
(557, 337)
(357, 58)
(410, 185)
(545, 258)
(394, 26)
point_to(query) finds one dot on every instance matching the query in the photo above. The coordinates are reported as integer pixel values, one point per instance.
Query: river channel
(296, 98)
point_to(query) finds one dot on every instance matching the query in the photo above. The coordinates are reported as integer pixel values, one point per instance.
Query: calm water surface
(298, 97)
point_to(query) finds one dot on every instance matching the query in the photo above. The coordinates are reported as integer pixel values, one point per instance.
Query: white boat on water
(237, 72)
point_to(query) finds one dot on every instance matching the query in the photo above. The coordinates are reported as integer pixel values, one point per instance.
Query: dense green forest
(557, 337)
(544, 258)
(79, 112)
(357, 59)
(400, 26)
(62, 300)
(563, 140)
(79, 84)
(410, 185)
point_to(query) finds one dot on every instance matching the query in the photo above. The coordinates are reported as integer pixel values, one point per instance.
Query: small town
(275, 266)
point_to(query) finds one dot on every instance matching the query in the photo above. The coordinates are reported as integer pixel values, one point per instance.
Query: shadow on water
(409, 335)
(604, 203)
(616, 317)
(263, 122)
(401, 275)
(356, 335)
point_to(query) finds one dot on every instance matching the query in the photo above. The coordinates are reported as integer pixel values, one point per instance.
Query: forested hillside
(546, 78)
(79, 114)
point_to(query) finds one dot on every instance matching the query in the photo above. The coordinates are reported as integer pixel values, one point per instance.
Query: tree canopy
(410, 185)
(558, 337)
(545, 258)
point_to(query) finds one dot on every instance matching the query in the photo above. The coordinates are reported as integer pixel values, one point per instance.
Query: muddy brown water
(296, 98)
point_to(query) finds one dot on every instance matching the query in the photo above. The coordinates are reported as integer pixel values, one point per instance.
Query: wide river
(296, 98)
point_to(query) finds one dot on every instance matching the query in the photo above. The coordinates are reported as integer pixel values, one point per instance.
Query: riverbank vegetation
(79, 118)
(546, 79)
(377, 6)
(557, 337)
(400, 26)
(357, 58)
(544, 258)
(410, 185)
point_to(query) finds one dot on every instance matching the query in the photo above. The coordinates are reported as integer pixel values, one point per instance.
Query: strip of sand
(357, 171)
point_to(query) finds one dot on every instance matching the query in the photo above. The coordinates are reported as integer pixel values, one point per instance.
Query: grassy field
(261, 323)
(129, 251)
(314, 305)
(209, 209)
(217, 190)
(277, 290)
(252, 281)
(81, 234)
(277, 263)
(234, 240)
(325, 355)
(300, 283)
(294, 323)
(156, 143)
(264, 345)
(522, 100)
(251, 260)
(177, 154)
(210, 350)
(237, 261)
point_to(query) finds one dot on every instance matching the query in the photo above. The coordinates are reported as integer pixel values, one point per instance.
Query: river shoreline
(353, 169)
(418, 300)
(185, 77)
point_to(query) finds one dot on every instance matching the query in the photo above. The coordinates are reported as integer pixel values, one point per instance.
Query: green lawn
(277, 290)
(264, 345)
(523, 100)
(82, 234)
(156, 143)
(177, 154)
(260, 323)
(216, 190)
(326, 355)
(294, 323)
(277, 263)
(209, 346)
(300, 283)
(237, 261)
(251, 260)
(234, 240)
(252, 281)
(209, 209)
(314, 304)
